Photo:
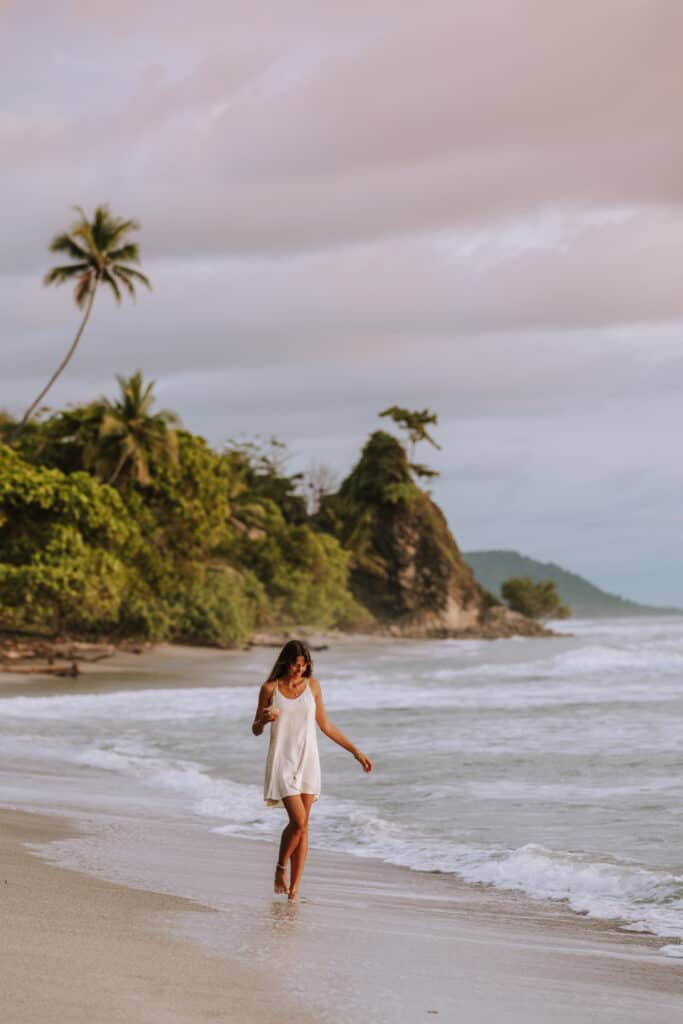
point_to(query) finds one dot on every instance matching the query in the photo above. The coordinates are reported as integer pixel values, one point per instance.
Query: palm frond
(136, 275)
(82, 229)
(130, 252)
(58, 275)
(144, 402)
(103, 227)
(65, 243)
(169, 418)
(111, 425)
(83, 288)
(122, 382)
(107, 278)
(100, 219)
(128, 284)
(116, 229)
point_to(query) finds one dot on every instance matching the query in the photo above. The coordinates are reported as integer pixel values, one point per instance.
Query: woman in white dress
(291, 701)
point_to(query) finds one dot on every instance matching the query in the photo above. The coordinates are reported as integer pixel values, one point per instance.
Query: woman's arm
(264, 713)
(335, 734)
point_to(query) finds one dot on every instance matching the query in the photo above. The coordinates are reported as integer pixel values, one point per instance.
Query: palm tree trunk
(27, 415)
(119, 466)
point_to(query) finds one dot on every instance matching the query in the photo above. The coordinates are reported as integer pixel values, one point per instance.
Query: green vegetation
(131, 435)
(117, 522)
(114, 521)
(537, 600)
(64, 541)
(406, 566)
(415, 425)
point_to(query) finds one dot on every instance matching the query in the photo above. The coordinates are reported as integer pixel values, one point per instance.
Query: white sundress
(293, 763)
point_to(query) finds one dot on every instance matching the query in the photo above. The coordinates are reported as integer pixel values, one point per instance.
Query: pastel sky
(474, 206)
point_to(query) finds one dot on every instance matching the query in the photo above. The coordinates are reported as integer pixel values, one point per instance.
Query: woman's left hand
(364, 761)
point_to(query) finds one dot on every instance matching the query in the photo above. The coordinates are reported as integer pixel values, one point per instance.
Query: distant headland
(586, 600)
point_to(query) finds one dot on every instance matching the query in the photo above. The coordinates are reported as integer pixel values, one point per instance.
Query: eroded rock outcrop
(407, 568)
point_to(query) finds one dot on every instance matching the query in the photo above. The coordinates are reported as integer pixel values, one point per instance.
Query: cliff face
(407, 568)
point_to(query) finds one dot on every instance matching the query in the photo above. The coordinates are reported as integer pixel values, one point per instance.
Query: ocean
(549, 766)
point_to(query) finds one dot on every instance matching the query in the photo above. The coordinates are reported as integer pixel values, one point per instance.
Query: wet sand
(77, 949)
(369, 941)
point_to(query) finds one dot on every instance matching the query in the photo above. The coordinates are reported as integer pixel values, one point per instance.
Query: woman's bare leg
(298, 856)
(280, 883)
(291, 837)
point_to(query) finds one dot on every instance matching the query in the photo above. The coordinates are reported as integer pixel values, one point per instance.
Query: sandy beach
(368, 943)
(114, 910)
(79, 949)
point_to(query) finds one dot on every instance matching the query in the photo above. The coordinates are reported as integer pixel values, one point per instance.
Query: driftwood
(64, 671)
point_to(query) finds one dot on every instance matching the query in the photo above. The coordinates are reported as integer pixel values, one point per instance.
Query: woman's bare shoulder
(268, 688)
(314, 685)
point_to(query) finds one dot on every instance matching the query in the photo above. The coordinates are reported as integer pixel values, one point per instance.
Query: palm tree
(102, 253)
(415, 424)
(132, 435)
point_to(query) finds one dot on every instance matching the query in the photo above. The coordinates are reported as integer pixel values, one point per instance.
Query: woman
(292, 701)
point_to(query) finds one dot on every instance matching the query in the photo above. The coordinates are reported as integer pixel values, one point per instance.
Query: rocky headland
(406, 566)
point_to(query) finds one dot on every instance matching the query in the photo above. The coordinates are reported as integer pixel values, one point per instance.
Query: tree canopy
(116, 521)
(415, 424)
(537, 600)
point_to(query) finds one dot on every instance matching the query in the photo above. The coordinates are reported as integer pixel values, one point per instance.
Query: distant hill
(492, 568)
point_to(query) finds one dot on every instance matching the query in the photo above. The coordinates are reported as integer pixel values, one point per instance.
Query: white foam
(583, 677)
(645, 898)
(675, 951)
(142, 705)
(592, 660)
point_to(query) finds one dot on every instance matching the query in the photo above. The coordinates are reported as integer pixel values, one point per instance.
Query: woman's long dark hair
(292, 650)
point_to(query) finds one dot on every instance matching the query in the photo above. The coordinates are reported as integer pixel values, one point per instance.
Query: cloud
(230, 141)
(475, 207)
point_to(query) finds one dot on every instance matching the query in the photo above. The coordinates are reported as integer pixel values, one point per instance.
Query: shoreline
(126, 668)
(133, 669)
(27, 654)
(380, 942)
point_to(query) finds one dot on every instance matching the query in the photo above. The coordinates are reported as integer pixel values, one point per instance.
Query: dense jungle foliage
(114, 521)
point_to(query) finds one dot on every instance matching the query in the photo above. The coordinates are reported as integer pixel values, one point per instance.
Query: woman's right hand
(270, 714)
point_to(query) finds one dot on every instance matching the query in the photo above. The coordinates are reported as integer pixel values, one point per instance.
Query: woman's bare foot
(280, 885)
(293, 895)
